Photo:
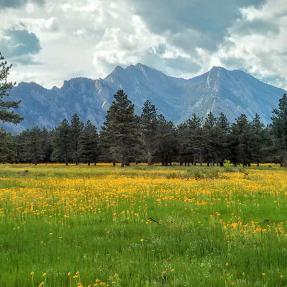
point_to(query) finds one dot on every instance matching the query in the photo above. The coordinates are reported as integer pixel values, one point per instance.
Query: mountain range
(219, 90)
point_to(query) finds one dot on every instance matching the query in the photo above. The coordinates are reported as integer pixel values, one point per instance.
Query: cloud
(257, 42)
(19, 45)
(17, 3)
(183, 38)
(257, 26)
(192, 23)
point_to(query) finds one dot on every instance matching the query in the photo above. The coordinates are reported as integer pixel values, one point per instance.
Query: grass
(142, 226)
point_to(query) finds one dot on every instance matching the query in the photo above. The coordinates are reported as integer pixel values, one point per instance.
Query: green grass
(181, 235)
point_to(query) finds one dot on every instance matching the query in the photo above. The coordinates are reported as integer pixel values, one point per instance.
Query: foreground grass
(142, 226)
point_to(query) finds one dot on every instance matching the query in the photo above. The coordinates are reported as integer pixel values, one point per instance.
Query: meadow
(142, 226)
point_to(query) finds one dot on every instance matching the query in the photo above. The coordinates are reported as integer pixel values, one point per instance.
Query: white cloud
(90, 37)
(81, 38)
(262, 52)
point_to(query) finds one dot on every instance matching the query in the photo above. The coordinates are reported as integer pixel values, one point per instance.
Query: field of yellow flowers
(85, 226)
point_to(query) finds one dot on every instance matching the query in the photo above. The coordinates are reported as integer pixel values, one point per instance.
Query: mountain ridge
(218, 90)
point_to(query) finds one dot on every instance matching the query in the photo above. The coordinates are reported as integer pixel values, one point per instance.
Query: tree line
(126, 137)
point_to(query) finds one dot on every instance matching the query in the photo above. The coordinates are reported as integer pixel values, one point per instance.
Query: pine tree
(196, 139)
(105, 146)
(184, 144)
(148, 129)
(33, 145)
(222, 139)
(279, 128)
(167, 144)
(209, 134)
(7, 147)
(240, 142)
(120, 130)
(76, 128)
(20, 140)
(257, 139)
(47, 144)
(89, 144)
(6, 114)
(270, 149)
(62, 143)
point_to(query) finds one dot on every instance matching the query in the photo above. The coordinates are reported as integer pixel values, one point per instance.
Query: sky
(49, 41)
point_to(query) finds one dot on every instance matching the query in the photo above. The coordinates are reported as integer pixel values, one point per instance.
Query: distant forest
(126, 137)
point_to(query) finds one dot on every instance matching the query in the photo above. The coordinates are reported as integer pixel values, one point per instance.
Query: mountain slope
(219, 90)
(231, 92)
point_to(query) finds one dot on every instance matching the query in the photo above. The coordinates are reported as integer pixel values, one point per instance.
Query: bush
(197, 173)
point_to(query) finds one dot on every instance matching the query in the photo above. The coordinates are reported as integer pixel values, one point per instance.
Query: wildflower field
(142, 226)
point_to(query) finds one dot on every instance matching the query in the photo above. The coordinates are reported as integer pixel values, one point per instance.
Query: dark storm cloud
(192, 22)
(17, 3)
(20, 45)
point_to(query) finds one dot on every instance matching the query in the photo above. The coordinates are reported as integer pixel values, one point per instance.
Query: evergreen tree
(148, 129)
(7, 147)
(257, 139)
(209, 142)
(6, 114)
(105, 147)
(240, 142)
(20, 139)
(62, 143)
(167, 144)
(47, 144)
(120, 130)
(126, 137)
(270, 149)
(184, 148)
(140, 154)
(33, 145)
(76, 128)
(222, 138)
(196, 139)
(89, 144)
(279, 128)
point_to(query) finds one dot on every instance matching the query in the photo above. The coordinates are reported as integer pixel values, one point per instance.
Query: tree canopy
(7, 108)
(149, 137)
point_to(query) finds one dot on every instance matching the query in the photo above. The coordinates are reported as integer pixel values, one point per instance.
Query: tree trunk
(149, 158)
